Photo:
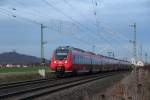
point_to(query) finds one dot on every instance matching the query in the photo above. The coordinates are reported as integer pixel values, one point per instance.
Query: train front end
(61, 60)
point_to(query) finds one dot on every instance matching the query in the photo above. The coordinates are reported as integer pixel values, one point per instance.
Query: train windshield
(61, 54)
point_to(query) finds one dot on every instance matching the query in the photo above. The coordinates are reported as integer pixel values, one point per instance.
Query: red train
(69, 59)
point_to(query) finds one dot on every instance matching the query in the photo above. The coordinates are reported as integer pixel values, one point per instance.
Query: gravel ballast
(86, 91)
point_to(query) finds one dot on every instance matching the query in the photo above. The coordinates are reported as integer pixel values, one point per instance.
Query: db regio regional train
(66, 59)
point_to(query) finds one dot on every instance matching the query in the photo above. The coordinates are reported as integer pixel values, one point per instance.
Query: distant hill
(17, 58)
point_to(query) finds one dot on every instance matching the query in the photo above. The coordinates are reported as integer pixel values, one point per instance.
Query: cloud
(3, 2)
(117, 14)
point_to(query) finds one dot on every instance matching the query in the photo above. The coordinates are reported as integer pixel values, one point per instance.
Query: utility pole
(109, 54)
(93, 48)
(42, 45)
(113, 55)
(134, 41)
(146, 55)
(60, 27)
(141, 52)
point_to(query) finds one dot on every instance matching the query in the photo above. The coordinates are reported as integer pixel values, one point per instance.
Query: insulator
(96, 4)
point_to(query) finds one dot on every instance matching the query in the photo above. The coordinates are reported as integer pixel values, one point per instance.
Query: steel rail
(54, 84)
(20, 83)
(65, 86)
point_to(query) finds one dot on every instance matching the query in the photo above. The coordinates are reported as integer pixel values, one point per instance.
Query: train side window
(74, 59)
(83, 59)
(78, 59)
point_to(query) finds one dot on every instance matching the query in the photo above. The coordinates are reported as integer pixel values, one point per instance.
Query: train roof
(77, 49)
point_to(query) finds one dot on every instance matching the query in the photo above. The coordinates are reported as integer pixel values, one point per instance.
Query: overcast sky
(73, 23)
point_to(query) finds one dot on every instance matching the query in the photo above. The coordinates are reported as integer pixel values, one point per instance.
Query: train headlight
(66, 62)
(55, 62)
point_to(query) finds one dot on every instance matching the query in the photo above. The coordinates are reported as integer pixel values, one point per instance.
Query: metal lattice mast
(141, 52)
(134, 42)
(93, 48)
(146, 56)
(42, 44)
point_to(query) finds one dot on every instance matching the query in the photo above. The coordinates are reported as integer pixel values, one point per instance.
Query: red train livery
(69, 59)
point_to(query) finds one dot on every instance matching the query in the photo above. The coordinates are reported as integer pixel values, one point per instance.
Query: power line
(59, 28)
(94, 10)
(82, 15)
(15, 15)
(73, 20)
(60, 11)
(36, 11)
(39, 23)
(94, 5)
(86, 28)
(24, 5)
(109, 30)
(5, 13)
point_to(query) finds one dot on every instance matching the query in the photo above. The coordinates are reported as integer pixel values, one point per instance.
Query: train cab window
(61, 54)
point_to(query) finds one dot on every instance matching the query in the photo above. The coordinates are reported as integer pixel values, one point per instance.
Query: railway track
(20, 83)
(34, 89)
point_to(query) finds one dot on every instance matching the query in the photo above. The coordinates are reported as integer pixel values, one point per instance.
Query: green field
(23, 69)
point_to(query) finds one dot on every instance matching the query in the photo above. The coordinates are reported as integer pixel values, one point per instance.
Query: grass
(23, 69)
(21, 74)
